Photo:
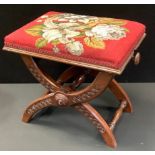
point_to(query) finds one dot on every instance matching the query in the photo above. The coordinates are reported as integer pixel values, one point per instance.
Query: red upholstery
(101, 41)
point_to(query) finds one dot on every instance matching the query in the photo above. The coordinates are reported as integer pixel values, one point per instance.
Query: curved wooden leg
(87, 110)
(39, 104)
(46, 110)
(120, 94)
(93, 90)
(48, 83)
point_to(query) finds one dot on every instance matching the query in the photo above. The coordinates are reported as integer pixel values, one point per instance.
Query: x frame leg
(60, 95)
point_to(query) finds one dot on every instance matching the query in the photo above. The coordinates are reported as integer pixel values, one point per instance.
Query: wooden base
(61, 95)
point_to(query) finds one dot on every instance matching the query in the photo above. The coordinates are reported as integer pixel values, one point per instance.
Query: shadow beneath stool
(71, 122)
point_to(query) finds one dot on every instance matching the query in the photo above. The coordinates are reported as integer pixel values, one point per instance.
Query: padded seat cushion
(95, 42)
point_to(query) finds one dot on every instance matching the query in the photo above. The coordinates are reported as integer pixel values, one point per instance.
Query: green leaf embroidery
(94, 42)
(55, 42)
(126, 30)
(35, 30)
(117, 22)
(41, 42)
(111, 21)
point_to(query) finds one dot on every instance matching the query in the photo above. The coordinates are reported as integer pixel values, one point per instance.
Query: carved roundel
(61, 99)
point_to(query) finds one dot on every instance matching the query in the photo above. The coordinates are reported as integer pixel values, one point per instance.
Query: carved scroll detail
(94, 121)
(93, 90)
(89, 112)
(37, 75)
(38, 106)
(48, 83)
(86, 96)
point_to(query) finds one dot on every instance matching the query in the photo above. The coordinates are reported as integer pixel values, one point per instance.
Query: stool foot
(38, 105)
(88, 111)
(26, 118)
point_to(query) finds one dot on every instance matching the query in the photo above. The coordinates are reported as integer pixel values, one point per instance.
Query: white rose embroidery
(109, 32)
(62, 20)
(50, 24)
(50, 35)
(61, 31)
(78, 18)
(67, 25)
(56, 49)
(89, 33)
(72, 21)
(39, 21)
(44, 16)
(64, 40)
(71, 34)
(75, 48)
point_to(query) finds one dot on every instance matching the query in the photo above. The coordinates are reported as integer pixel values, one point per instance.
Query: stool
(95, 46)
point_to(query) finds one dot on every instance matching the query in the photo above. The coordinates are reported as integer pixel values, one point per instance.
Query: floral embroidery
(56, 49)
(67, 28)
(75, 48)
(109, 32)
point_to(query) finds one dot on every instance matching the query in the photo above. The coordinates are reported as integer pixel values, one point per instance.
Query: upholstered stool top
(100, 43)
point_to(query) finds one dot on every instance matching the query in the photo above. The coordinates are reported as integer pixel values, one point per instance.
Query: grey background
(66, 129)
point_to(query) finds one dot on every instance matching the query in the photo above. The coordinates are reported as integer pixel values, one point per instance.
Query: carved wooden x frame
(61, 95)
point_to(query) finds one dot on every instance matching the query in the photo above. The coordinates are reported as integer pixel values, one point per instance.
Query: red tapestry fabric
(96, 40)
